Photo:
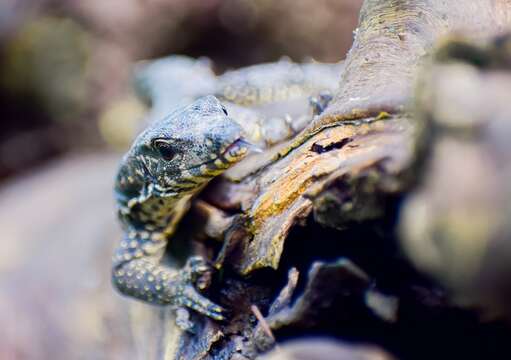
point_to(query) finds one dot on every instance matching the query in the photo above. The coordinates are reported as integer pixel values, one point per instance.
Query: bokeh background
(67, 110)
(65, 65)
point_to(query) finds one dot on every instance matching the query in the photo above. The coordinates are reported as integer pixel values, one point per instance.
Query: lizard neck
(156, 214)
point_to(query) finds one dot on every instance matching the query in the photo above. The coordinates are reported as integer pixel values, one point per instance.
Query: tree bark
(344, 170)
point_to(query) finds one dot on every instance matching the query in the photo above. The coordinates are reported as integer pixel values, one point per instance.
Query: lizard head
(182, 151)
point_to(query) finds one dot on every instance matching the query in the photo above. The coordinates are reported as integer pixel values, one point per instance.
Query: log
(343, 172)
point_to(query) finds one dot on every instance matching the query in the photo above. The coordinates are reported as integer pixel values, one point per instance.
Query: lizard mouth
(238, 149)
(227, 157)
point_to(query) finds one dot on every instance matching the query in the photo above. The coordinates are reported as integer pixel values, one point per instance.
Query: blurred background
(67, 108)
(65, 65)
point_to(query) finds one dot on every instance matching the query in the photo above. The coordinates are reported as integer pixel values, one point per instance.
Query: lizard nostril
(224, 110)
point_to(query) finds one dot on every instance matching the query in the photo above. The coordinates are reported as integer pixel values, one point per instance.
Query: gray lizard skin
(178, 154)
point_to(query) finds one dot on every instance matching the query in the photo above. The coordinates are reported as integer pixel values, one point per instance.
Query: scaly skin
(281, 81)
(177, 155)
(270, 101)
(167, 165)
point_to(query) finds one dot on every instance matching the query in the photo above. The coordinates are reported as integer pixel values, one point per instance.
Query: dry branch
(361, 152)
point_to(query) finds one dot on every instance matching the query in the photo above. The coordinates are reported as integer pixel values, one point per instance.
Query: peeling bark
(344, 169)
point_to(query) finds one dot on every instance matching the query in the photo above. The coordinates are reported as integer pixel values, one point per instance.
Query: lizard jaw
(236, 151)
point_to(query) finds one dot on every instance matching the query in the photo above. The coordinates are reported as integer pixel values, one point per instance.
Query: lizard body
(270, 100)
(177, 155)
(167, 165)
(277, 82)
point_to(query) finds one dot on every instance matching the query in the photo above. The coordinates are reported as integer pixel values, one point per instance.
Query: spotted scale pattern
(154, 190)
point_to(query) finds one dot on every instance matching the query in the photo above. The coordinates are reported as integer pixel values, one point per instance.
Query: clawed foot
(319, 103)
(194, 275)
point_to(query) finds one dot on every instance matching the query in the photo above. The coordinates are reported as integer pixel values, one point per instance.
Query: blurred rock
(58, 231)
(456, 227)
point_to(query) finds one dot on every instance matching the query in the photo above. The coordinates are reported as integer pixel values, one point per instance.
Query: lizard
(174, 158)
(271, 100)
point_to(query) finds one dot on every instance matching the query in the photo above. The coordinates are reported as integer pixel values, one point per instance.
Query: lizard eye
(166, 150)
(224, 110)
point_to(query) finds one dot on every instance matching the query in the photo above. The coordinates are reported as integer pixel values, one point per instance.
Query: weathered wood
(361, 151)
(455, 226)
(386, 145)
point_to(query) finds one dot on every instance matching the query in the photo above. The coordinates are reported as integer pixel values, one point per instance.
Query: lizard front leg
(138, 272)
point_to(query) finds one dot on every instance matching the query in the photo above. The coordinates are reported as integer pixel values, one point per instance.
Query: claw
(192, 277)
(315, 105)
(217, 317)
(325, 97)
(211, 310)
(319, 104)
(215, 312)
(218, 309)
